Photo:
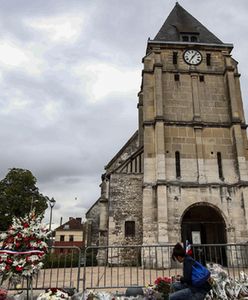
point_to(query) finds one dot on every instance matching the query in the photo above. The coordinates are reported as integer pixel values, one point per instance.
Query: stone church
(183, 174)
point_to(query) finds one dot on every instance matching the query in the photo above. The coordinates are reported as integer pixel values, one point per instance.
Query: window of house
(129, 228)
(178, 167)
(189, 37)
(208, 58)
(174, 58)
(219, 162)
(176, 77)
(71, 238)
(193, 38)
(201, 78)
(62, 238)
(185, 38)
(66, 226)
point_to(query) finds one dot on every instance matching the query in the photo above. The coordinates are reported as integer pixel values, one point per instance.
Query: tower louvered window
(220, 169)
(208, 59)
(174, 58)
(178, 166)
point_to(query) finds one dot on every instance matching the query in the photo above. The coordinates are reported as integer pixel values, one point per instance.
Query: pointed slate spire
(179, 22)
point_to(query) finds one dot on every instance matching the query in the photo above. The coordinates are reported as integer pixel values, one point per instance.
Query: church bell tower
(193, 131)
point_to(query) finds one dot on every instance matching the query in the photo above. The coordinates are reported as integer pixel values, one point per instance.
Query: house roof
(72, 224)
(180, 21)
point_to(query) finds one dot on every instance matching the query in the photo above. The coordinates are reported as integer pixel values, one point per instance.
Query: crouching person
(193, 284)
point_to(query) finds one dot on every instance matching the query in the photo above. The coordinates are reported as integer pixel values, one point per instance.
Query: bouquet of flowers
(150, 292)
(160, 289)
(225, 287)
(22, 247)
(53, 294)
(162, 285)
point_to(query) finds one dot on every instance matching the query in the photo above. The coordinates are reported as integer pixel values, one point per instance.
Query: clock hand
(192, 57)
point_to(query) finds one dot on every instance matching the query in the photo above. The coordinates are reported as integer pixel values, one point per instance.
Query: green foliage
(68, 260)
(55, 260)
(18, 195)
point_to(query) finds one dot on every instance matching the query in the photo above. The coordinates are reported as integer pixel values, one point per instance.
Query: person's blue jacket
(187, 275)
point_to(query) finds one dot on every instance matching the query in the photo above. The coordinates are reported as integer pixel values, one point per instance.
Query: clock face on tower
(192, 57)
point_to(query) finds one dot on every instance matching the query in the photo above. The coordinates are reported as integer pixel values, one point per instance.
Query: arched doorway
(204, 224)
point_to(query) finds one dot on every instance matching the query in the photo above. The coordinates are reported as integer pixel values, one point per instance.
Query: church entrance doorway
(204, 224)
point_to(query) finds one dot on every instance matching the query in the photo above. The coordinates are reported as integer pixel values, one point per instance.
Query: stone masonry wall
(214, 140)
(228, 201)
(93, 217)
(125, 204)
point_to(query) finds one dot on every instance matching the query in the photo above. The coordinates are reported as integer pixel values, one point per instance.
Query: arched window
(129, 228)
(178, 167)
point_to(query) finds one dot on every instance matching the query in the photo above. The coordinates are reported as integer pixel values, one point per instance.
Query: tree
(18, 196)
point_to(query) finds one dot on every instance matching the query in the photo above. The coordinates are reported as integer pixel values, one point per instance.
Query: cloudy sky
(70, 71)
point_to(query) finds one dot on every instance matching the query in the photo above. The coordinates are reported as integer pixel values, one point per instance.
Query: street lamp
(51, 204)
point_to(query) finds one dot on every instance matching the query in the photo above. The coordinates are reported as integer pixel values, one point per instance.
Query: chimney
(79, 220)
(61, 220)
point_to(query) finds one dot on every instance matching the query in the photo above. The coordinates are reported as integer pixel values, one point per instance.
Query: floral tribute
(53, 294)
(163, 284)
(23, 247)
(160, 289)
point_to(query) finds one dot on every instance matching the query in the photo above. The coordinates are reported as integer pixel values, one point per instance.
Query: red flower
(25, 225)
(7, 267)
(160, 280)
(54, 290)
(17, 245)
(3, 293)
(10, 240)
(9, 261)
(19, 235)
(18, 268)
(163, 284)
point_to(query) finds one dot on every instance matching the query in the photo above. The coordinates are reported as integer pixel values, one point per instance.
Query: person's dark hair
(178, 250)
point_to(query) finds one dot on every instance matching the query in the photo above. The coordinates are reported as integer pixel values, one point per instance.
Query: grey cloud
(67, 152)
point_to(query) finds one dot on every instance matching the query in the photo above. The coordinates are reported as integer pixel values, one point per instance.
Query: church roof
(180, 21)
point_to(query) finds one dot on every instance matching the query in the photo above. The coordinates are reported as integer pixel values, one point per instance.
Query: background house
(70, 234)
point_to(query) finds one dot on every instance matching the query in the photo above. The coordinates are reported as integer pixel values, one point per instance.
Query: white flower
(33, 258)
(40, 265)
(4, 256)
(3, 236)
(50, 296)
(2, 266)
(15, 263)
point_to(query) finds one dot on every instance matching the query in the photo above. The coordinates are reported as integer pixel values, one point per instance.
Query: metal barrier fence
(119, 267)
(61, 270)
